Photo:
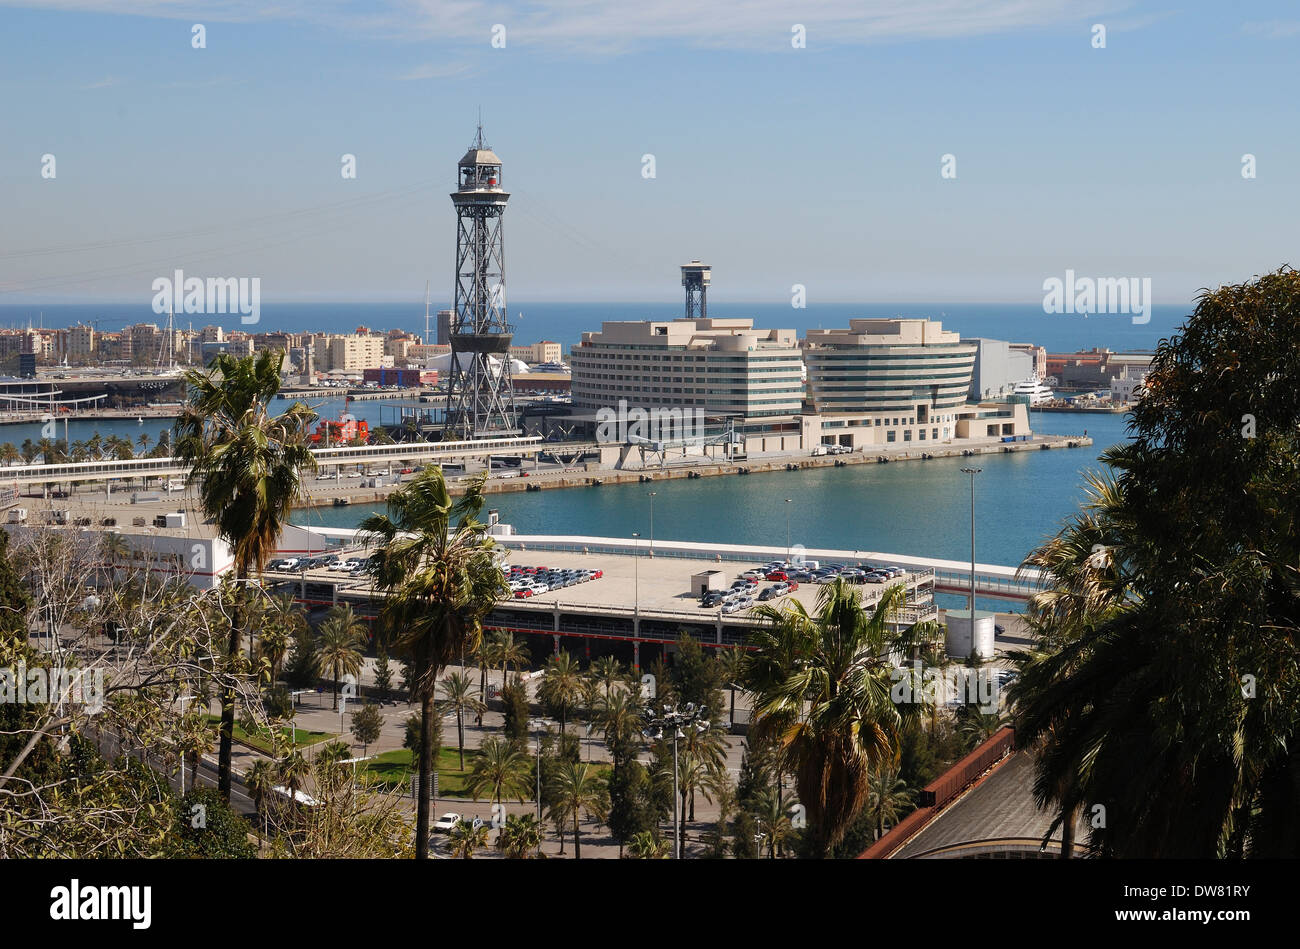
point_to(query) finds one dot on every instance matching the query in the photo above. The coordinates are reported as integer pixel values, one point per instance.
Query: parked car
(711, 599)
(777, 575)
(445, 823)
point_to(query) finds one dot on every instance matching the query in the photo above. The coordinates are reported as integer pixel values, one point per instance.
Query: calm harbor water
(914, 507)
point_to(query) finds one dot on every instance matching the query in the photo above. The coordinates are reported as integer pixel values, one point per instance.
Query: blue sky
(777, 165)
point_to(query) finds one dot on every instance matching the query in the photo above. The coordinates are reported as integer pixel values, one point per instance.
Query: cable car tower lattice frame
(480, 393)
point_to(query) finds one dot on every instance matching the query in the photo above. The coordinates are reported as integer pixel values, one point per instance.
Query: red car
(793, 586)
(526, 591)
(777, 575)
(598, 574)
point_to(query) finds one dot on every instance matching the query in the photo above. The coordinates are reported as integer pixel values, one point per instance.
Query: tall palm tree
(292, 771)
(889, 797)
(821, 683)
(578, 790)
(339, 647)
(511, 653)
(460, 697)
(502, 769)
(618, 715)
(561, 686)
(732, 663)
(259, 781)
(9, 454)
(772, 808)
(143, 441)
(436, 565)
(607, 672)
(249, 465)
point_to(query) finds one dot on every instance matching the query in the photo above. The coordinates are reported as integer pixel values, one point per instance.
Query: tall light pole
(652, 522)
(670, 722)
(787, 529)
(539, 725)
(972, 472)
(636, 574)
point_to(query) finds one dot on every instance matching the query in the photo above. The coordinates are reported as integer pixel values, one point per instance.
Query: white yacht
(1035, 389)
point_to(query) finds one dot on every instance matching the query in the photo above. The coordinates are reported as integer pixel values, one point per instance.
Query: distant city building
(534, 353)
(81, 343)
(896, 381)
(444, 328)
(407, 378)
(722, 366)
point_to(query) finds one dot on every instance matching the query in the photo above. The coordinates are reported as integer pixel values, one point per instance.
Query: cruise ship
(1035, 389)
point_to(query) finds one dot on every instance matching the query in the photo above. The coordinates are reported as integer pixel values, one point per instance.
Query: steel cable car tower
(480, 394)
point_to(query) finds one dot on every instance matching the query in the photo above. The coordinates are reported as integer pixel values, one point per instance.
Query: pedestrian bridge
(326, 458)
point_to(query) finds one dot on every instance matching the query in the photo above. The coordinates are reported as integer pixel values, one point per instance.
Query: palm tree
(9, 454)
(502, 769)
(822, 695)
(732, 663)
(292, 771)
(520, 837)
(461, 697)
(435, 562)
(143, 441)
(250, 468)
(511, 653)
(340, 646)
(772, 808)
(607, 672)
(618, 715)
(561, 686)
(889, 797)
(466, 838)
(259, 781)
(577, 790)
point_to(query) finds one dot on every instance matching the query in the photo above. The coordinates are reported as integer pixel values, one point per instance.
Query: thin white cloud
(598, 26)
(102, 83)
(435, 71)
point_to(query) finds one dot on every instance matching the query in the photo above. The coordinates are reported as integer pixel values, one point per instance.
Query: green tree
(502, 769)
(466, 839)
(514, 705)
(383, 672)
(579, 791)
(259, 782)
(206, 827)
(436, 563)
(561, 687)
(822, 683)
(340, 646)
(249, 467)
(366, 726)
(521, 836)
(888, 799)
(1165, 676)
(460, 697)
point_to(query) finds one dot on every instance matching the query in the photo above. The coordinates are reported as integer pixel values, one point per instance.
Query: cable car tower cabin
(480, 395)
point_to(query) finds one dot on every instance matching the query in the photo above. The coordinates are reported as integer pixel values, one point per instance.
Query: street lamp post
(972, 472)
(183, 699)
(652, 522)
(539, 725)
(636, 575)
(673, 720)
(787, 529)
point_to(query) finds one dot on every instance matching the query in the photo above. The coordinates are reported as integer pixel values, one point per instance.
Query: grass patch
(262, 739)
(392, 769)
